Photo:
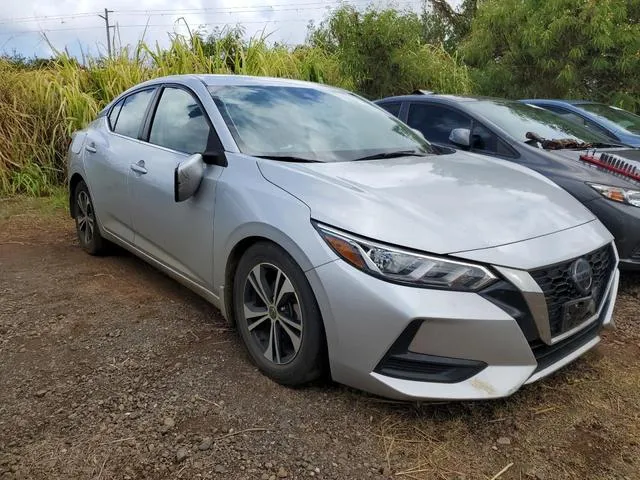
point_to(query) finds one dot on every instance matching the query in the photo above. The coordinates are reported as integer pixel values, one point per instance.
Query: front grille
(547, 355)
(558, 287)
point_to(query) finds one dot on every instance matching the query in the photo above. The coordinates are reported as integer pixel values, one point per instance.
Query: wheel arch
(73, 183)
(241, 242)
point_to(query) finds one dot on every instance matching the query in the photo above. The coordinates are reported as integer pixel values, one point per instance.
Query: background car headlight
(401, 266)
(618, 194)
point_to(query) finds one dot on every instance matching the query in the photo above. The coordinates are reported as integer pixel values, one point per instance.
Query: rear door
(178, 234)
(110, 148)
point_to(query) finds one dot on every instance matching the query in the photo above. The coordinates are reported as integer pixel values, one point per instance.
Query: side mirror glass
(187, 177)
(460, 137)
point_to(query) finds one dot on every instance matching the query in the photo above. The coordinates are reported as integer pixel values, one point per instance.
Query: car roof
(557, 101)
(439, 98)
(227, 79)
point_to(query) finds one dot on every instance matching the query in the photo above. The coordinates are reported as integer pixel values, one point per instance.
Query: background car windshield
(519, 118)
(311, 123)
(621, 118)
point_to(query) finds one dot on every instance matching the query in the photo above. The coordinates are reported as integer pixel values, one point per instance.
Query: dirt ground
(108, 369)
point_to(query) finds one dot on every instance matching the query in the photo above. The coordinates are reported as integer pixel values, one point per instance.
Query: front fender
(247, 205)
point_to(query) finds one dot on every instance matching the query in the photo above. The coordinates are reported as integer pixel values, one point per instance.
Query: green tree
(557, 48)
(384, 52)
(445, 25)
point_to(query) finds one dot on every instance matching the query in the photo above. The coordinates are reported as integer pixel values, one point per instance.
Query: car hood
(596, 174)
(439, 204)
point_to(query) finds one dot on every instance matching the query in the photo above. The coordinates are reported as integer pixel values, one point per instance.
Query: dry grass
(41, 107)
(582, 423)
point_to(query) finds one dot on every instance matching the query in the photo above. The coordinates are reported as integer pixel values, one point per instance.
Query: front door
(178, 234)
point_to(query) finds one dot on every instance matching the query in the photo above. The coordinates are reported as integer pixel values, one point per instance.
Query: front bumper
(366, 317)
(623, 221)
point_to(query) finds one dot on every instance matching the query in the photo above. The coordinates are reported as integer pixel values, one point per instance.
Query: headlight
(401, 266)
(618, 194)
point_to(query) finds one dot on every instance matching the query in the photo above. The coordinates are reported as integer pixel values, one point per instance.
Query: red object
(627, 172)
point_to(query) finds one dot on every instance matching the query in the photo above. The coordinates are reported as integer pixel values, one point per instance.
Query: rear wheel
(86, 224)
(278, 317)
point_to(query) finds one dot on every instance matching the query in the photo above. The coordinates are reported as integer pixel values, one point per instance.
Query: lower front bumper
(364, 316)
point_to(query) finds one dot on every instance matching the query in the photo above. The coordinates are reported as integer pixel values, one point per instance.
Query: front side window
(436, 122)
(392, 108)
(311, 123)
(484, 140)
(179, 123)
(132, 113)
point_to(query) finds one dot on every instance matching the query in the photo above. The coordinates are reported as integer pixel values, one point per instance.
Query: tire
(87, 227)
(299, 355)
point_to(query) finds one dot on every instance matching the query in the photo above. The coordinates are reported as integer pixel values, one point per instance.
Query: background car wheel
(86, 225)
(278, 317)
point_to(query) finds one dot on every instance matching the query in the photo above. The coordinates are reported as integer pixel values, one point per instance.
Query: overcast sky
(75, 24)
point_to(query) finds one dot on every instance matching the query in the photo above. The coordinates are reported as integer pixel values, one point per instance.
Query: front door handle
(90, 148)
(139, 167)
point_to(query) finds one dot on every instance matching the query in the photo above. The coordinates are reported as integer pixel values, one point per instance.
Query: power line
(230, 10)
(142, 25)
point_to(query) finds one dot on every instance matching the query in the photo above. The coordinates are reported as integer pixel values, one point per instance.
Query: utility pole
(109, 27)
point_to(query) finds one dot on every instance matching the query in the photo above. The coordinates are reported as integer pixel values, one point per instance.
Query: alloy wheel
(85, 217)
(273, 313)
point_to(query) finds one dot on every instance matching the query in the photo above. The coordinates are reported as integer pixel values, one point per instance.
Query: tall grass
(41, 107)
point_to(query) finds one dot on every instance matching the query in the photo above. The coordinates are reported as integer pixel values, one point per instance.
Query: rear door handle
(139, 167)
(90, 148)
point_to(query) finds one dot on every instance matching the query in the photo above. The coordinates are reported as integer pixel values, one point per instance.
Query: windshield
(518, 119)
(308, 123)
(627, 120)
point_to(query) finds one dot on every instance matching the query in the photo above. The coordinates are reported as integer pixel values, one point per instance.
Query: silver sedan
(338, 241)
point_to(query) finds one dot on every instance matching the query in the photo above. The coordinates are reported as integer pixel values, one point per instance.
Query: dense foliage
(385, 53)
(557, 48)
(512, 48)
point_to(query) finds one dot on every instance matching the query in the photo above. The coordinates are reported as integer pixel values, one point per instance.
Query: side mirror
(419, 133)
(460, 137)
(187, 177)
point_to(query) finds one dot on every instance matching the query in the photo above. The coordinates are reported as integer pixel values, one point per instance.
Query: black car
(604, 176)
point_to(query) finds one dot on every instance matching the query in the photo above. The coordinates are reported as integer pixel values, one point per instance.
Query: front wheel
(278, 317)
(86, 224)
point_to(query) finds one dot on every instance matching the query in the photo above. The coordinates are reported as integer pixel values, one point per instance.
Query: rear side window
(436, 122)
(392, 108)
(179, 123)
(131, 114)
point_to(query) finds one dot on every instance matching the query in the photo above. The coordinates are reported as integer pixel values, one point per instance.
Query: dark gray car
(604, 176)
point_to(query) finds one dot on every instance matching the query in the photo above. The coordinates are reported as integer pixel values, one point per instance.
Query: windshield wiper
(394, 154)
(288, 158)
(604, 145)
(564, 143)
